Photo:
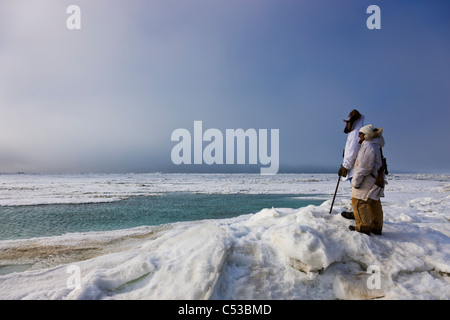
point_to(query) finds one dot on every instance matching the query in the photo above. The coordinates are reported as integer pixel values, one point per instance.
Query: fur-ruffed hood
(371, 133)
(377, 133)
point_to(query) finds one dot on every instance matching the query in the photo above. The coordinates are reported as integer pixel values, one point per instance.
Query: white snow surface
(277, 253)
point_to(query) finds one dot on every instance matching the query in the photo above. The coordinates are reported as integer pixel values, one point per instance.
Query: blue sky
(106, 98)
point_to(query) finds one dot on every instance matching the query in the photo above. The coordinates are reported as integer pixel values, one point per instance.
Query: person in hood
(353, 123)
(367, 189)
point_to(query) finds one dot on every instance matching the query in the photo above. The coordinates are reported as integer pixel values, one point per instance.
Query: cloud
(108, 96)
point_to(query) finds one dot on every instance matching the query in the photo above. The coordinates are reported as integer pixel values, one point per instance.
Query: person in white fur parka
(366, 188)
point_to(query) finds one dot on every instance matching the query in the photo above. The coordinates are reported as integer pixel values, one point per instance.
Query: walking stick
(337, 186)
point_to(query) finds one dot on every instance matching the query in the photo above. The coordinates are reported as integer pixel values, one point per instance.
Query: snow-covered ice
(277, 253)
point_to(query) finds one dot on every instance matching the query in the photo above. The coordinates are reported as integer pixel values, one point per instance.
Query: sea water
(28, 221)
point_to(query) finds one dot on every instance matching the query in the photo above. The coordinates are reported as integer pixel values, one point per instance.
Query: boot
(377, 232)
(348, 215)
(353, 228)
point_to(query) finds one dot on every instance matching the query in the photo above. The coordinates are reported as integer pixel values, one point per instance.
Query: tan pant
(368, 215)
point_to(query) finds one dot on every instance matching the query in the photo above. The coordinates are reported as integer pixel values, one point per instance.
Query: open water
(20, 222)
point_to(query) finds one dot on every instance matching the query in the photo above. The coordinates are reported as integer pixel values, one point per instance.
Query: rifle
(382, 171)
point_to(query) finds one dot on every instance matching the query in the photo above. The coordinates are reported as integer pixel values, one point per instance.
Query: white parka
(352, 147)
(367, 164)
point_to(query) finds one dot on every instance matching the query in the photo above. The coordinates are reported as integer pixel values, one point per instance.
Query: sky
(107, 97)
